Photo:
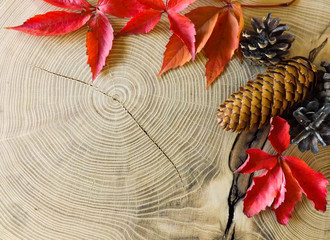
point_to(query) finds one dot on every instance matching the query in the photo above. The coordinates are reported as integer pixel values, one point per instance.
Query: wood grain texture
(130, 156)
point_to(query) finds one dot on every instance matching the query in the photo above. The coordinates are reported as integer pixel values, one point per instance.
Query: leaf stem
(271, 5)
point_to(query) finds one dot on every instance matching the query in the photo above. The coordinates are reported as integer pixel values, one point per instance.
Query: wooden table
(131, 155)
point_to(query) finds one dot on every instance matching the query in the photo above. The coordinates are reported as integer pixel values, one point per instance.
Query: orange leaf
(237, 8)
(221, 45)
(99, 42)
(184, 29)
(176, 53)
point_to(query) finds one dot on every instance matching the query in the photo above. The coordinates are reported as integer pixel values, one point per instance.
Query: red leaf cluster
(217, 31)
(284, 179)
(100, 33)
(181, 26)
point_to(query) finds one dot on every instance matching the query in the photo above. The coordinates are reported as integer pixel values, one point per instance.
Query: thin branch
(271, 5)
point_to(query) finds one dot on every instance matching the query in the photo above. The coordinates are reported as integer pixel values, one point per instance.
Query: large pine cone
(269, 95)
(266, 44)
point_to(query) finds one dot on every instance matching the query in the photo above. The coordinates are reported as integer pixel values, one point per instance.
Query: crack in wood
(126, 110)
(241, 182)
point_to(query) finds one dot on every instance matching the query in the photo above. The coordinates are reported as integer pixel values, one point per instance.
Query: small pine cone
(311, 126)
(323, 85)
(269, 95)
(266, 44)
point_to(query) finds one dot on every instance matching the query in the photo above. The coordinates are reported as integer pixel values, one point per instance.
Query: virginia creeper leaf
(154, 4)
(312, 183)
(143, 22)
(184, 29)
(281, 193)
(257, 160)
(178, 5)
(53, 23)
(237, 8)
(120, 8)
(221, 46)
(176, 53)
(70, 4)
(279, 135)
(291, 197)
(263, 191)
(99, 42)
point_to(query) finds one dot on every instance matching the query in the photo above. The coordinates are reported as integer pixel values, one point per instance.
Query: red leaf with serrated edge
(53, 23)
(257, 160)
(178, 5)
(154, 4)
(279, 135)
(221, 46)
(143, 22)
(312, 183)
(237, 8)
(263, 191)
(291, 197)
(120, 8)
(70, 4)
(184, 29)
(176, 53)
(99, 42)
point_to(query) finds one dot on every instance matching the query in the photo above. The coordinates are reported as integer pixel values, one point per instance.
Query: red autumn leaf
(311, 182)
(143, 22)
(282, 190)
(184, 29)
(291, 197)
(99, 42)
(120, 8)
(279, 135)
(221, 45)
(53, 23)
(146, 20)
(257, 160)
(70, 4)
(263, 191)
(176, 53)
(154, 4)
(279, 199)
(100, 34)
(237, 9)
(178, 5)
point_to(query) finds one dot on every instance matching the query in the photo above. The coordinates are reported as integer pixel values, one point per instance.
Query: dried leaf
(143, 22)
(154, 4)
(279, 135)
(53, 23)
(284, 179)
(311, 182)
(221, 46)
(184, 29)
(120, 8)
(178, 5)
(176, 53)
(99, 42)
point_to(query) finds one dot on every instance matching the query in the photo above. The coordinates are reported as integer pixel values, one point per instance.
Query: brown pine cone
(266, 44)
(269, 95)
